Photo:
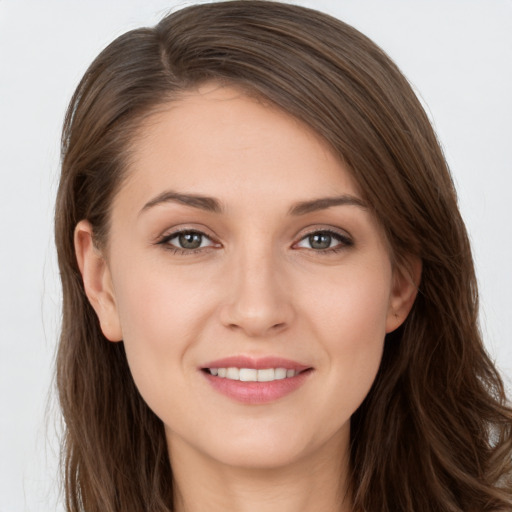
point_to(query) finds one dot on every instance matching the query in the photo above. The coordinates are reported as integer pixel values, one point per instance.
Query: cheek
(350, 320)
(352, 305)
(161, 317)
(158, 303)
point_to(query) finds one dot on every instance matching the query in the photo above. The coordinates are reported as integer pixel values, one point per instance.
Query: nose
(258, 300)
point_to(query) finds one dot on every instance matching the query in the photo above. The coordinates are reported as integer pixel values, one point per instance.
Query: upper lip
(258, 363)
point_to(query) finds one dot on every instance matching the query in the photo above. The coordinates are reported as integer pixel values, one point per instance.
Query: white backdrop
(456, 53)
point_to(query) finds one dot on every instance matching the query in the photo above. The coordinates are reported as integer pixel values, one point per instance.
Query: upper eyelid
(305, 232)
(187, 230)
(175, 234)
(169, 234)
(165, 240)
(319, 229)
(344, 239)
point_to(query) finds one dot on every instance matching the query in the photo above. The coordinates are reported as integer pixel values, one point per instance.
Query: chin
(265, 455)
(275, 446)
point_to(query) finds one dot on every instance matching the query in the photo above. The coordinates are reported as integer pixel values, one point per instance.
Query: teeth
(253, 375)
(266, 375)
(233, 374)
(280, 373)
(248, 374)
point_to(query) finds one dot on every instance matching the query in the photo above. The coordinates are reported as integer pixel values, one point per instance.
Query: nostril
(257, 315)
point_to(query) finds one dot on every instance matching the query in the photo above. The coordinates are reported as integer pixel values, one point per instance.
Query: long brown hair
(434, 433)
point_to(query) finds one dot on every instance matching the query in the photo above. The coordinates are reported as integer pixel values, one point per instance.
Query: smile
(252, 374)
(256, 381)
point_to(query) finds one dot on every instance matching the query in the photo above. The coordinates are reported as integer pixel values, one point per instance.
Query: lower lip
(257, 392)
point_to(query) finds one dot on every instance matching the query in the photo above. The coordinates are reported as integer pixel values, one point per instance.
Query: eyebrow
(211, 204)
(196, 201)
(323, 203)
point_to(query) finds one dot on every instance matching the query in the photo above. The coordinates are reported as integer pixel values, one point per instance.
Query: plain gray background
(456, 53)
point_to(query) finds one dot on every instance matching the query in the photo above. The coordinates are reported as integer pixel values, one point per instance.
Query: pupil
(190, 240)
(320, 241)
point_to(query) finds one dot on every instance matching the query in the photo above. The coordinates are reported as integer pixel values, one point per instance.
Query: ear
(97, 281)
(406, 280)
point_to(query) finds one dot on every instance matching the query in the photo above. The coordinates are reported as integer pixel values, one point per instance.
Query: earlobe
(97, 281)
(406, 281)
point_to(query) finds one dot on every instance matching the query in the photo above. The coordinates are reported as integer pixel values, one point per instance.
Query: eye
(187, 240)
(324, 241)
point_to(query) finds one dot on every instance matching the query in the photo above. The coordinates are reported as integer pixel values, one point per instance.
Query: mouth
(255, 381)
(253, 374)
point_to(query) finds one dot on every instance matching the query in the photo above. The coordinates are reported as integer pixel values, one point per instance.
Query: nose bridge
(258, 302)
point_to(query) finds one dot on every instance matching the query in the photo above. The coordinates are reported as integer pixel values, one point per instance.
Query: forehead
(219, 141)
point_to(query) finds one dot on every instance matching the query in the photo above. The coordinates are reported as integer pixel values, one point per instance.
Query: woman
(269, 295)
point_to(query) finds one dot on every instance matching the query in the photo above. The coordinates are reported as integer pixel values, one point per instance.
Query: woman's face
(241, 252)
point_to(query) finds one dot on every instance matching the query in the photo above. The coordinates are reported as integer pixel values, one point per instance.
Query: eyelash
(344, 242)
(164, 241)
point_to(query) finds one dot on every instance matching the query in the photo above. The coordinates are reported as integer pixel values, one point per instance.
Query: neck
(312, 483)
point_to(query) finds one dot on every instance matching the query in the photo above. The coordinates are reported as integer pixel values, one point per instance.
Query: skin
(256, 287)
